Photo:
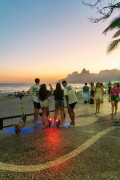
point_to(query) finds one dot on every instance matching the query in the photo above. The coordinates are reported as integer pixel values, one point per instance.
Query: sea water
(12, 88)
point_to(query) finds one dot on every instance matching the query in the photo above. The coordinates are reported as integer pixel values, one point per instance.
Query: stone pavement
(90, 151)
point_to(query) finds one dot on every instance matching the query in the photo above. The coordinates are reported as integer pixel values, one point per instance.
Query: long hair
(58, 87)
(43, 92)
(58, 92)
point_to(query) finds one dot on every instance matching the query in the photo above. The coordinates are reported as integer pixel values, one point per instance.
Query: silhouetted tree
(115, 24)
(105, 12)
(103, 8)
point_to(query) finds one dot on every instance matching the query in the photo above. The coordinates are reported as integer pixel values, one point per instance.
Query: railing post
(1, 124)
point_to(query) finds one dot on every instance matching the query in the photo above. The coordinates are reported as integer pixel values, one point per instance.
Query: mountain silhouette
(86, 76)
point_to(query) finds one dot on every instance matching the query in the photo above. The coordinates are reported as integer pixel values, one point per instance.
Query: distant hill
(86, 76)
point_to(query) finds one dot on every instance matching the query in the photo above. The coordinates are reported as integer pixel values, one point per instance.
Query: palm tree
(115, 24)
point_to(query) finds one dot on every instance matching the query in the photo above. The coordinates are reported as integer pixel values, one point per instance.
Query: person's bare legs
(45, 110)
(72, 115)
(62, 114)
(113, 106)
(56, 113)
(116, 107)
(36, 111)
(96, 105)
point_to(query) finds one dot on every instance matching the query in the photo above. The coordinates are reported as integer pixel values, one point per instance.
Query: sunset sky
(50, 39)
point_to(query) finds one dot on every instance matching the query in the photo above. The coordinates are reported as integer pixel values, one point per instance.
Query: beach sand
(10, 106)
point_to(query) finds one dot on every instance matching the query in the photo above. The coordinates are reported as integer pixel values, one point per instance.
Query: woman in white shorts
(98, 96)
(44, 101)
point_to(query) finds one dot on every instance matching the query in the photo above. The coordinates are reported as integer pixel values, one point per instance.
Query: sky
(50, 39)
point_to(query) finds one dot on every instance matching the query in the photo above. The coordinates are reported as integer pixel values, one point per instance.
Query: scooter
(21, 124)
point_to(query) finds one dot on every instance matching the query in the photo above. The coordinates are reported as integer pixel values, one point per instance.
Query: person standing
(109, 90)
(34, 92)
(98, 96)
(102, 87)
(44, 101)
(58, 94)
(71, 101)
(92, 93)
(114, 93)
(92, 90)
(85, 93)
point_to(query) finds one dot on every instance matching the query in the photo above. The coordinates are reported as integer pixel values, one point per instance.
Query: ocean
(11, 88)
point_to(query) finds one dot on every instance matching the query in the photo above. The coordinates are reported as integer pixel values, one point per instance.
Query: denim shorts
(59, 103)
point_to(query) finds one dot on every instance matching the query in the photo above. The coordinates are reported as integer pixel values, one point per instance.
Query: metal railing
(13, 117)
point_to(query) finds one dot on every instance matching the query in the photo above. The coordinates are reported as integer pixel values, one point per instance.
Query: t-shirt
(34, 90)
(58, 95)
(85, 89)
(70, 92)
(115, 91)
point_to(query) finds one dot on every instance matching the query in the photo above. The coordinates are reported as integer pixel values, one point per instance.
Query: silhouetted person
(34, 92)
(71, 100)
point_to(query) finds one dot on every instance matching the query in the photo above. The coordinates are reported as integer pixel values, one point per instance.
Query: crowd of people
(91, 94)
(96, 92)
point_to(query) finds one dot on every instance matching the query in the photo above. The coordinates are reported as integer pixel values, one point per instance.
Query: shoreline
(13, 94)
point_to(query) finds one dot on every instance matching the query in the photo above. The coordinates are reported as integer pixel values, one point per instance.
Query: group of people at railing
(40, 95)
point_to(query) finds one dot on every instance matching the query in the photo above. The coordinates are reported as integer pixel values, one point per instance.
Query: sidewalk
(91, 150)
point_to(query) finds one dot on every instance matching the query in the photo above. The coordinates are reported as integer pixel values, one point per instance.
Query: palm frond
(116, 34)
(114, 24)
(113, 45)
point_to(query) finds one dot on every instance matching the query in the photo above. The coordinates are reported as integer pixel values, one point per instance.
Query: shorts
(59, 103)
(44, 103)
(36, 105)
(72, 105)
(99, 97)
(115, 98)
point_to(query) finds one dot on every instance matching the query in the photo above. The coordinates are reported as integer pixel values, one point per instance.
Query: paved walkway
(91, 150)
